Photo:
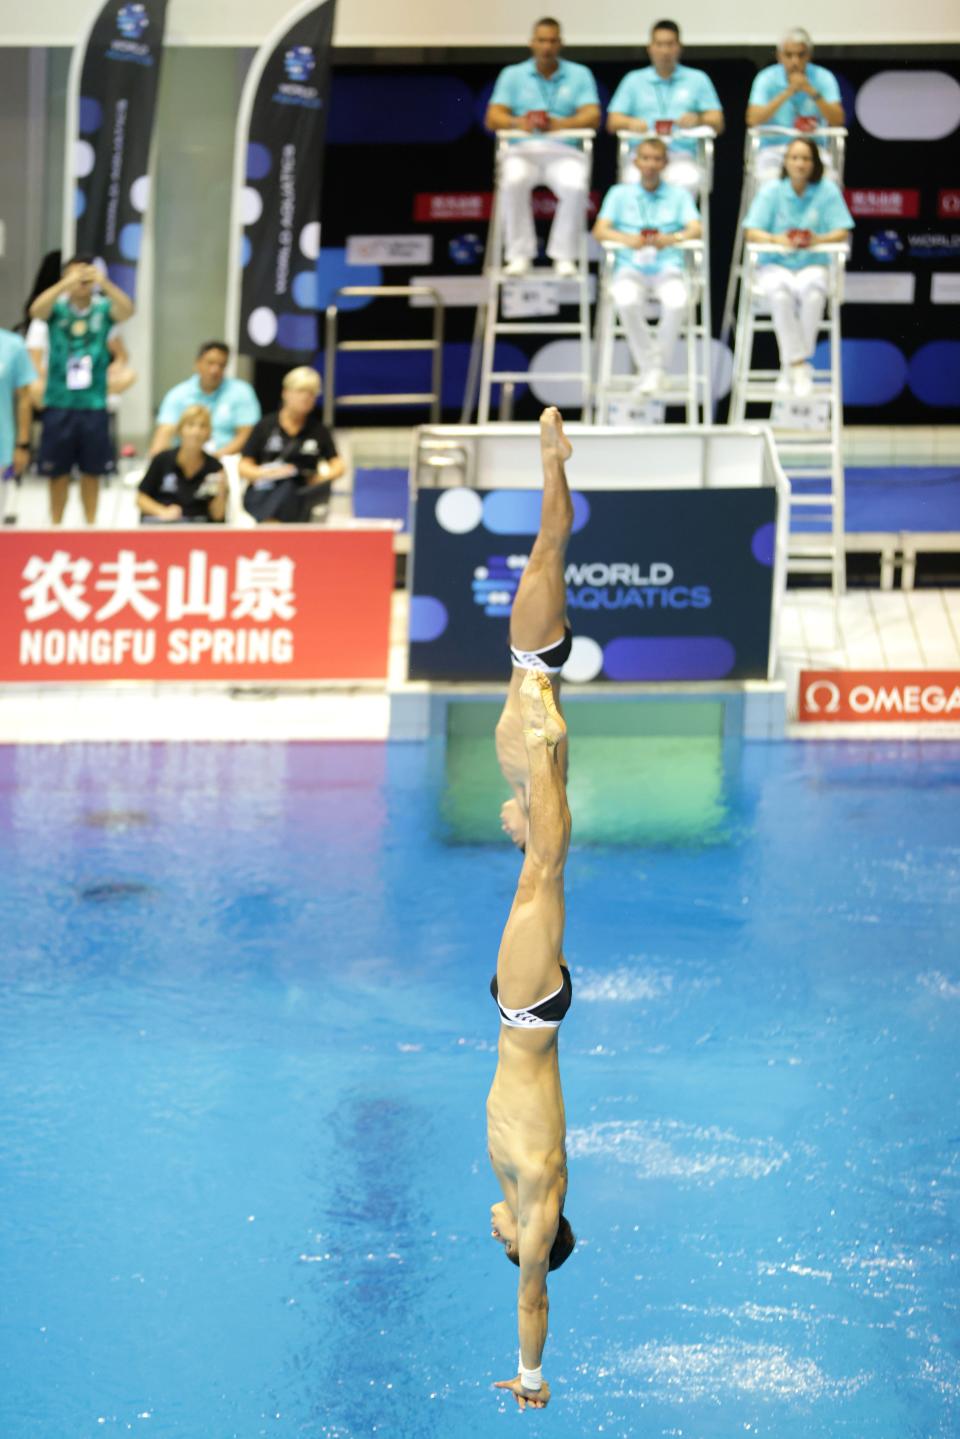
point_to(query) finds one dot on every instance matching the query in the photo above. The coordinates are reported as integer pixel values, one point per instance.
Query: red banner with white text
(195, 604)
(871, 695)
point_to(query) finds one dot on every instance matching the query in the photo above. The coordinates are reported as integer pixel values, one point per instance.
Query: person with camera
(80, 309)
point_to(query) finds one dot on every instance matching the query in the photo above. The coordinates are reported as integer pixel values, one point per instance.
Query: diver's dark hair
(213, 345)
(560, 1250)
(670, 25)
(548, 20)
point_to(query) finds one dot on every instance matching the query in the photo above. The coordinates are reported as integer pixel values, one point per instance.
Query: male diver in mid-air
(526, 1125)
(540, 637)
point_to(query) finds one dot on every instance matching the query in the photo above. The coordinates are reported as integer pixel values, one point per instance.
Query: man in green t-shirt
(80, 310)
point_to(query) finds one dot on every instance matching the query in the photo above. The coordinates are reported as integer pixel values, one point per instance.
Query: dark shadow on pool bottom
(360, 1371)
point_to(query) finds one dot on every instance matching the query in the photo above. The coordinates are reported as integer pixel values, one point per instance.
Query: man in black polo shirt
(289, 460)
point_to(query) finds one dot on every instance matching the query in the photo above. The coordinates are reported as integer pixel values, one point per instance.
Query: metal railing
(334, 347)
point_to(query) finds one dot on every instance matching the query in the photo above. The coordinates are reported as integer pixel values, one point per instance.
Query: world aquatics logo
(299, 63)
(132, 20)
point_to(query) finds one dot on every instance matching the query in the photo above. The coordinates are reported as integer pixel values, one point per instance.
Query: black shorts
(75, 439)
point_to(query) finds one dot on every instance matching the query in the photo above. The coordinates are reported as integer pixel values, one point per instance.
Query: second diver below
(526, 1123)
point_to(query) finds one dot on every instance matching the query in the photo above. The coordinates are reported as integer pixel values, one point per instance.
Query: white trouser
(796, 299)
(681, 169)
(566, 172)
(631, 291)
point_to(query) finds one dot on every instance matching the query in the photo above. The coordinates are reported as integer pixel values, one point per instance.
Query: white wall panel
(497, 22)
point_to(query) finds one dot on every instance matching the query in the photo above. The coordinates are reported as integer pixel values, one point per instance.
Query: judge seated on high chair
(800, 210)
(671, 100)
(648, 219)
(544, 96)
(793, 94)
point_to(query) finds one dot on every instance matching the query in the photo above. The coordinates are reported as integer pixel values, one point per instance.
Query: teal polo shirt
(771, 81)
(778, 208)
(645, 95)
(631, 208)
(522, 88)
(231, 405)
(16, 370)
(78, 358)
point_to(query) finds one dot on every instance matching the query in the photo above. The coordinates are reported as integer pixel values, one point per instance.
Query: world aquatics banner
(115, 102)
(277, 182)
(661, 584)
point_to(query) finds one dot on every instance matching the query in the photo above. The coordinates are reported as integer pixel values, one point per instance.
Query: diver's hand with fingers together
(553, 442)
(536, 1398)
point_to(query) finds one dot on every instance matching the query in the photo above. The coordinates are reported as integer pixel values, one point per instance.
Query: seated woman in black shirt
(289, 460)
(185, 484)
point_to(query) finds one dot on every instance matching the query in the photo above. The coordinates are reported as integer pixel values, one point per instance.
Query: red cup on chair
(648, 234)
(539, 119)
(806, 123)
(663, 127)
(800, 238)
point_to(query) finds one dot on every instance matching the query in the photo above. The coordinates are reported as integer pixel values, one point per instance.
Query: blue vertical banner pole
(111, 107)
(278, 171)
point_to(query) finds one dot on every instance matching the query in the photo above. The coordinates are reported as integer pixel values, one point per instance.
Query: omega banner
(872, 696)
(116, 97)
(661, 585)
(279, 173)
(197, 604)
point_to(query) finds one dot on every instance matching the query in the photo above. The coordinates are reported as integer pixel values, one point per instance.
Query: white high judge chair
(540, 287)
(808, 433)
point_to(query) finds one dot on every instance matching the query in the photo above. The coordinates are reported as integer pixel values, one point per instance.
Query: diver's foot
(542, 721)
(553, 442)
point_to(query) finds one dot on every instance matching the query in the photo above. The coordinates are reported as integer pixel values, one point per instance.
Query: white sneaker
(803, 381)
(516, 268)
(565, 269)
(650, 383)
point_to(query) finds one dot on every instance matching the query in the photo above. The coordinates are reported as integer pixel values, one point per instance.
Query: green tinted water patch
(643, 772)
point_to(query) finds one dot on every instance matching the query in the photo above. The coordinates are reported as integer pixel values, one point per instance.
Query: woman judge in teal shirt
(801, 209)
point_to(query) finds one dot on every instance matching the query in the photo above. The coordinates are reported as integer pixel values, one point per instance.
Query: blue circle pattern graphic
(874, 371)
(333, 271)
(763, 544)
(517, 512)
(125, 276)
(129, 243)
(297, 332)
(246, 250)
(259, 161)
(79, 203)
(707, 657)
(91, 115)
(428, 618)
(935, 373)
(132, 21)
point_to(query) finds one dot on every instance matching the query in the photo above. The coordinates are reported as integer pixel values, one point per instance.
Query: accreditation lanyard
(546, 88)
(808, 220)
(659, 88)
(643, 200)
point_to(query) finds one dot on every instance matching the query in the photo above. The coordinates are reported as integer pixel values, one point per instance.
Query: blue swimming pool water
(246, 1046)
